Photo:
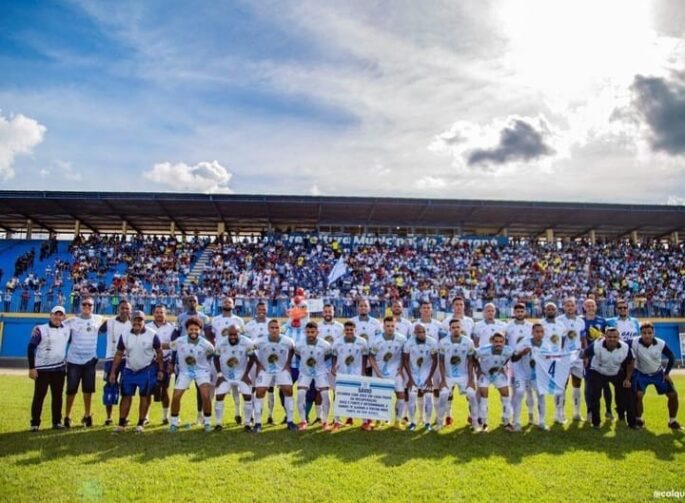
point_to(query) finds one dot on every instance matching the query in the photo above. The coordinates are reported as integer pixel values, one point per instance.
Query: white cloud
(18, 135)
(675, 201)
(314, 190)
(66, 170)
(431, 183)
(207, 177)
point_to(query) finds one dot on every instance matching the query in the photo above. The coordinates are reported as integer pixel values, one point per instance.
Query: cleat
(509, 427)
(367, 426)
(317, 420)
(476, 428)
(34, 428)
(257, 428)
(87, 421)
(336, 426)
(67, 422)
(173, 428)
(238, 420)
(108, 422)
(326, 427)
(595, 427)
(127, 422)
(411, 427)
(640, 423)
(165, 421)
(146, 422)
(349, 421)
(207, 428)
(559, 420)
(484, 427)
(302, 426)
(119, 429)
(634, 427)
(427, 427)
(139, 429)
(405, 419)
(449, 421)
(517, 428)
(218, 427)
(270, 420)
(57, 426)
(577, 417)
(291, 426)
(543, 427)
(675, 426)
(247, 428)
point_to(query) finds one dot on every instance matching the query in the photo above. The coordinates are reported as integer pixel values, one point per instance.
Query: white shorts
(282, 378)
(183, 380)
(521, 383)
(461, 383)
(400, 383)
(499, 380)
(226, 386)
(424, 386)
(320, 381)
(577, 370)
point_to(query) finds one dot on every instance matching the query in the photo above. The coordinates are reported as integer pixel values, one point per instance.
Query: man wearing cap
(82, 358)
(142, 350)
(610, 361)
(46, 353)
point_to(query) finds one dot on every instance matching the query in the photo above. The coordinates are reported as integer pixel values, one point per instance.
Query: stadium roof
(154, 213)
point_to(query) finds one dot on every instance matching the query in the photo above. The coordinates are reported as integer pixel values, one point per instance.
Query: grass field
(573, 463)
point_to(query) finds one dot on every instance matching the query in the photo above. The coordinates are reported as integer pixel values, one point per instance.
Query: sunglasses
(87, 304)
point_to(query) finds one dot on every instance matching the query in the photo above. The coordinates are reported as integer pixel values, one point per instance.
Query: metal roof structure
(158, 213)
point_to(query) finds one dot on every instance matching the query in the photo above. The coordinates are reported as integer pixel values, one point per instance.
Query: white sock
(412, 406)
(325, 405)
(506, 409)
(428, 408)
(319, 409)
(530, 403)
(473, 405)
(207, 419)
(442, 404)
(271, 402)
(247, 410)
(289, 407)
(517, 402)
(670, 420)
(236, 399)
(258, 410)
(559, 406)
(542, 409)
(301, 396)
(165, 412)
(434, 405)
(576, 401)
(219, 411)
(174, 420)
(483, 409)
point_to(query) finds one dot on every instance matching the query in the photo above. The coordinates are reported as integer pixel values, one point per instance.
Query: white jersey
(273, 355)
(525, 367)
(420, 358)
(233, 358)
(331, 332)
(220, 325)
(350, 355)
(313, 357)
(574, 327)
(83, 340)
(368, 329)
(388, 354)
(115, 329)
(492, 363)
(554, 334)
(483, 331)
(608, 362)
(467, 325)
(193, 356)
(517, 331)
(628, 328)
(433, 329)
(255, 329)
(404, 327)
(164, 332)
(456, 356)
(648, 359)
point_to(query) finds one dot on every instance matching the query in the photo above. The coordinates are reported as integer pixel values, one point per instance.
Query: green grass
(573, 463)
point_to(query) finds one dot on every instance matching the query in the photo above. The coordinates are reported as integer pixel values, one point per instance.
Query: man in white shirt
(163, 329)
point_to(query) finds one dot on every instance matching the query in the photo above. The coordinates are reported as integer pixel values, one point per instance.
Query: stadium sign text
(349, 241)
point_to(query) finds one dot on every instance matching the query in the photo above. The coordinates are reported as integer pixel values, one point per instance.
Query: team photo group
(605, 366)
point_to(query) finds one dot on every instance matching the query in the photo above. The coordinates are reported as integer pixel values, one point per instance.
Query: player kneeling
(273, 355)
(313, 353)
(491, 361)
(231, 359)
(420, 362)
(456, 360)
(193, 355)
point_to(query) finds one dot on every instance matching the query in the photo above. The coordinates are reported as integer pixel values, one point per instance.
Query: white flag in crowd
(338, 271)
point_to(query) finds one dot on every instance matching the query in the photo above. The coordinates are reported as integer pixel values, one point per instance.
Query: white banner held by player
(363, 397)
(552, 370)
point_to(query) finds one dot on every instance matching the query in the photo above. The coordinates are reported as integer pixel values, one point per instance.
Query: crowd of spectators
(150, 270)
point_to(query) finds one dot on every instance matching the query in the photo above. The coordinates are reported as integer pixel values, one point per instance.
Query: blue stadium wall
(15, 331)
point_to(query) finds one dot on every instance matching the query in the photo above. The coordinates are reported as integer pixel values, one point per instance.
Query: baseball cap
(58, 309)
(138, 314)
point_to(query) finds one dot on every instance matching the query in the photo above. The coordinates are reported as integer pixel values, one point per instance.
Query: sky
(565, 100)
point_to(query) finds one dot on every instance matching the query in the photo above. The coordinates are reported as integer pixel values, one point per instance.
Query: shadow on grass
(386, 445)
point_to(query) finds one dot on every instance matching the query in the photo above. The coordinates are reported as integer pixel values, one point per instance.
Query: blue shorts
(144, 380)
(641, 381)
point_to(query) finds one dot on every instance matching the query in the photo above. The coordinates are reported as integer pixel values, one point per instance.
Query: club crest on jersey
(493, 371)
(232, 362)
(311, 361)
(455, 360)
(364, 336)
(190, 360)
(273, 358)
(329, 339)
(554, 339)
(349, 360)
(572, 334)
(387, 357)
(419, 361)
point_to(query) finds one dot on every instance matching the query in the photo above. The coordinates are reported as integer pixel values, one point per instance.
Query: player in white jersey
(517, 330)
(330, 331)
(386, 357)
(456, 361)
(113, 329)
(467, 325)
(649, 354)
(254, 329)
(491, 361)
(273, 356)
(232, 354)
(367, 327)
(554, 329)
(164, 329)
(488, 326)
(349, 356)
(573, 340)
(627, 326)
(420, 361)
(402, 324)
(524, 376)
(314, 353)
(193, 355)
(433, 329)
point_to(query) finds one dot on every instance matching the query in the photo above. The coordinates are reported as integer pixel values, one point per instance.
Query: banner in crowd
(552, 370)
(363, 397)
(347, 241)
